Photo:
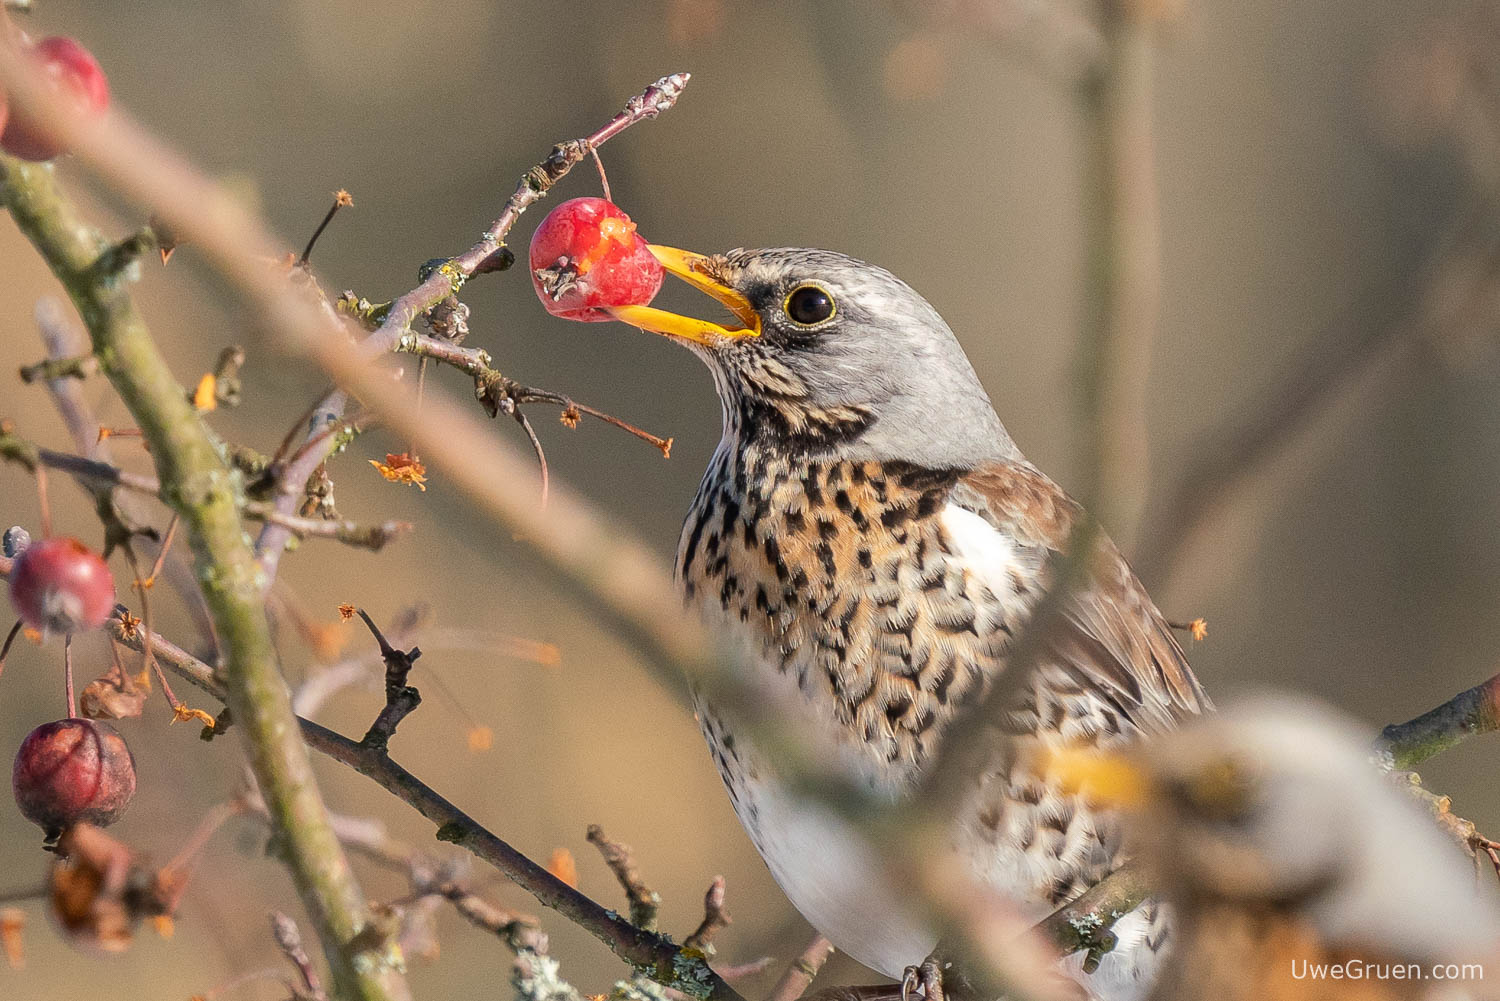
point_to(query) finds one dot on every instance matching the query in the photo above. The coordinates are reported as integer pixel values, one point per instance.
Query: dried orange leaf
(181, 713)
(12, 924)
(564, 867)
(205, 396)
(402, 468)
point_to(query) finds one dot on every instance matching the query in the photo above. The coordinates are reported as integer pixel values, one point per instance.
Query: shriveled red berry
(587, 254)
(72, 69)
(61, 586)
(73, 770)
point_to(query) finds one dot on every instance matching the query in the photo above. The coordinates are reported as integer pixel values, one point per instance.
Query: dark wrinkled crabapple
(61, 586)
(72, 771)
(72, 69)
(586, 254)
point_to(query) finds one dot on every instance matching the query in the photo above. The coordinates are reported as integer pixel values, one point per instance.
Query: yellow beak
(1107, 778)
(689, 267)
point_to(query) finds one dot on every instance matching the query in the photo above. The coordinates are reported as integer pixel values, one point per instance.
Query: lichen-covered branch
(1085, 922)
(197, 485)
(1467, 714)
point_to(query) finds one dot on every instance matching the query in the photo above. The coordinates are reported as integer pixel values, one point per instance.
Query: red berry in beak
(71, 771)
(76, 73)
(61, 586)
(587, 254)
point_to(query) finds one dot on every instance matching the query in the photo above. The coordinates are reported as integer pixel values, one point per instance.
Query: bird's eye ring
(808, 305)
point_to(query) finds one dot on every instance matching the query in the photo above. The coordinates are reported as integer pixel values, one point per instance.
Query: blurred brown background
(1327, 176)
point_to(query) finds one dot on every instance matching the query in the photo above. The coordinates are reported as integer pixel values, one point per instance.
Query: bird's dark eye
(808, 305)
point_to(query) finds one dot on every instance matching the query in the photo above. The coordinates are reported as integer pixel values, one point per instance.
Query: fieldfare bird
(872, 536)
(1295, 870)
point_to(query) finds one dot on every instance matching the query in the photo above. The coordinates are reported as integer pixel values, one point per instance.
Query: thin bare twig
(494, 389)
(804, 969)
(289, 941)
(715, 918)
(518, 931)
(102, 474)
(400, 698)
(536, 446)
(350, 533)
(341, 199)
(644, 901)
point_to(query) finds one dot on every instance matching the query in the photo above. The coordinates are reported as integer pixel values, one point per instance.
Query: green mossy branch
(1467, 714)
(201, 489)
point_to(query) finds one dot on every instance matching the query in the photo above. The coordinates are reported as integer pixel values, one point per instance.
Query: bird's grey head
(1279, 802)
(832, 355)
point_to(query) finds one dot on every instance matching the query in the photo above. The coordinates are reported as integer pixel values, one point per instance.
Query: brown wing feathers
(1111, 635)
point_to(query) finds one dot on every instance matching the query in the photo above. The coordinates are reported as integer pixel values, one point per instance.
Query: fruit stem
(10, 638)
(68, 675)
(42, 500)
(603, 177)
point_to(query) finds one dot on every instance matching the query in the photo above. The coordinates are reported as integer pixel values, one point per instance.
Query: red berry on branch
(71, 771)
(61, 586)
(74, 71)
(587, 254)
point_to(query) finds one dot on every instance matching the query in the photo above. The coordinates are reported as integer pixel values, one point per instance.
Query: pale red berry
(587, 254)
(61, 586)
(73, 70)
(71, 771)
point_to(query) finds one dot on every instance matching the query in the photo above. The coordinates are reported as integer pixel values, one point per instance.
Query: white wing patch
(990, 556)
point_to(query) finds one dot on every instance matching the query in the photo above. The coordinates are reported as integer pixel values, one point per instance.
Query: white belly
(835, 880)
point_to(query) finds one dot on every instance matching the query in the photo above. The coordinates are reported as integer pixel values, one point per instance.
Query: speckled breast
(840, 574)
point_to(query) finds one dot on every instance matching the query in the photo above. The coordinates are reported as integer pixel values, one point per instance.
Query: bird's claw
(923, 981)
